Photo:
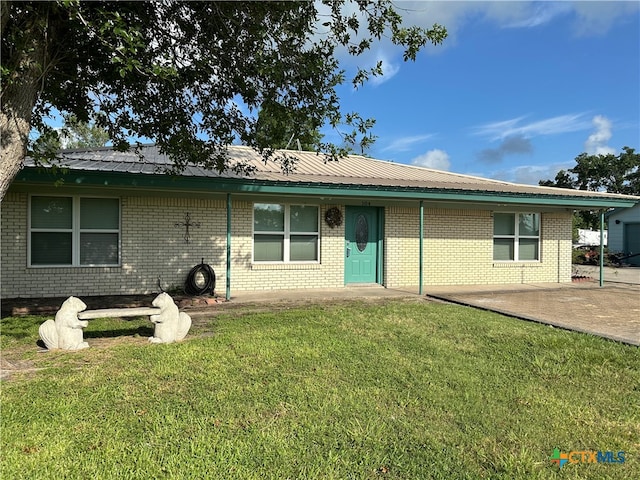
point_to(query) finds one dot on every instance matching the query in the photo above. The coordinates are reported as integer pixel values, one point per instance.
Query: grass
(396, 390)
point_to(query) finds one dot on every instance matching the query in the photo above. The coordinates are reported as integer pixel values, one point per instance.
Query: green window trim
(516, 237)
(73, 231)
(284, 233)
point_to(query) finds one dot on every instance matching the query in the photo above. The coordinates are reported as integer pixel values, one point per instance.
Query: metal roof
(311, 169)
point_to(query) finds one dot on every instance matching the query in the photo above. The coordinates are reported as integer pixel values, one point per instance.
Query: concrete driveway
(611, 311)
(611, 274)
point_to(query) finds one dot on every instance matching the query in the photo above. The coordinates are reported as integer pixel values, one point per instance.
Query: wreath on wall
(333, 217)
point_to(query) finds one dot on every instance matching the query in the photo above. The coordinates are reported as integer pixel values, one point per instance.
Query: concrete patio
(611, 311)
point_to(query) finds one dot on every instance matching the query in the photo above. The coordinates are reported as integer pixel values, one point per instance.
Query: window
(516, 237)
(74, 231)
(285, 233)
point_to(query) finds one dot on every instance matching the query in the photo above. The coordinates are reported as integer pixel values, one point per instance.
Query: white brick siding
(457, 250)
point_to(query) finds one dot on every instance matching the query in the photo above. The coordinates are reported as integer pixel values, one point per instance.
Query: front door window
(362, 232)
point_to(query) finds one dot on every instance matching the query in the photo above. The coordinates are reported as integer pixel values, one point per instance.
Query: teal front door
(361, 245)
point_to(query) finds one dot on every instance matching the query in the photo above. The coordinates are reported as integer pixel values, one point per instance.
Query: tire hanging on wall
(201, 280)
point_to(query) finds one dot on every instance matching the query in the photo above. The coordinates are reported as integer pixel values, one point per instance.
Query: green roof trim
(34, 175)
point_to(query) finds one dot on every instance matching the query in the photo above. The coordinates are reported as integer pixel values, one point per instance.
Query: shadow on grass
(23, 330)
(122, 332)
(143, 331)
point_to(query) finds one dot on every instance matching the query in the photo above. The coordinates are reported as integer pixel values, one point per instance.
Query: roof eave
(88, 178)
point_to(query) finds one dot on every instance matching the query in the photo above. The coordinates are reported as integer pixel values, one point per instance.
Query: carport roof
(354, 175)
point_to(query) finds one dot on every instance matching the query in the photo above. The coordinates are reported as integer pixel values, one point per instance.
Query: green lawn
(404, 390)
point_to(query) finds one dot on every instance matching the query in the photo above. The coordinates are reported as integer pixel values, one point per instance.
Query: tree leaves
(609, 173)
(192, 76)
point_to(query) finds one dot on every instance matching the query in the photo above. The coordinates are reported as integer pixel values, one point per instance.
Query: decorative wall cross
(186, 224)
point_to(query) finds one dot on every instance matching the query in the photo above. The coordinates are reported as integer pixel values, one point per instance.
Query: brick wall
(457, 250)
(13, 245)
(401, 247)
(153, 247)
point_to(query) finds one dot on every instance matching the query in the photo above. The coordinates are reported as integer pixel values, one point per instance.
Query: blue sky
(516, 92)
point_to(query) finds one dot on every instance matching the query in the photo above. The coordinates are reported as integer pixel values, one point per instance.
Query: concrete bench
(65, 332)
(118, 312)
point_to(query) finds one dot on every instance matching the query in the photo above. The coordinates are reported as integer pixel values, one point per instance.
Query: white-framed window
(286, 233)
(73, 231)
(516, 237)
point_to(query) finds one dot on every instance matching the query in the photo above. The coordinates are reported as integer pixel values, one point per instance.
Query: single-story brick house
(624, 233)
(110, 223)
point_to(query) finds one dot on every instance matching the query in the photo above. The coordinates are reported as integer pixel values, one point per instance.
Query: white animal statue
(66, 331)
(170, 324)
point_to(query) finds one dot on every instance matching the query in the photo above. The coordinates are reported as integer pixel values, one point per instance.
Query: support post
(421, 259)
(228, 276)
(601, 248)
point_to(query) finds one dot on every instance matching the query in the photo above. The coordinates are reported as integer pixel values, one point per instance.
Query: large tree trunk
(19, 95)
(17, 104)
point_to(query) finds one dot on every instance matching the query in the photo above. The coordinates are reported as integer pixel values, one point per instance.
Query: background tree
(77, 134)
(610, 173)
(273, 127)
(73, 134)
(189, 76)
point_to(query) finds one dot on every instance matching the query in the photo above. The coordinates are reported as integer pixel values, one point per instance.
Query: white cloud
(531, 174)
(406, 143)
(389, 69)
(584, 18)
(496, 130)
(436, 159)
(534, 15)
(549, 126)
(597, 18)
(596, 144)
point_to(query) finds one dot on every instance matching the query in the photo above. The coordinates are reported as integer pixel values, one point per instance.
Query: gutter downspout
(228, 276)
(601, 248)
(421, 244)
